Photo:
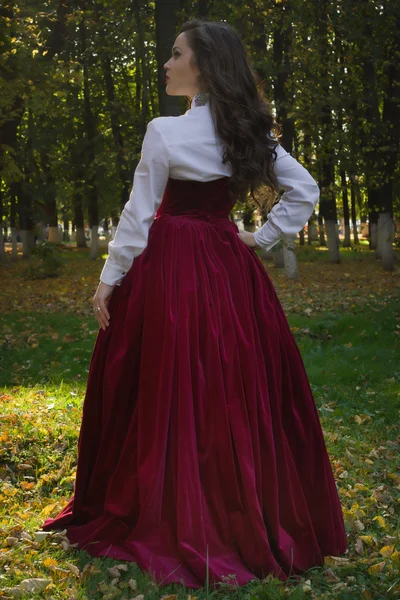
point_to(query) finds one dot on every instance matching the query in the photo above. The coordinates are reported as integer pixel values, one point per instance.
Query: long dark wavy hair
(242, 115)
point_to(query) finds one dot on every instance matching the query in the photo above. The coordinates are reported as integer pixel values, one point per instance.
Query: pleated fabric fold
(201, 450)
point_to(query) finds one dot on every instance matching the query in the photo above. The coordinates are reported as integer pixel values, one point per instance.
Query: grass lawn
(346, 319)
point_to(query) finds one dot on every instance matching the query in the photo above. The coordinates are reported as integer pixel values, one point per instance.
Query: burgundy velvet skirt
(201, 451)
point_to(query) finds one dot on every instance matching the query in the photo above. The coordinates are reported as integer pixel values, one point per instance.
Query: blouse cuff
(111, 274)
(267, 236)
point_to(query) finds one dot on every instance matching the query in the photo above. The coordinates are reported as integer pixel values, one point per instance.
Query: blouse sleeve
(295, 206)
(150, 178)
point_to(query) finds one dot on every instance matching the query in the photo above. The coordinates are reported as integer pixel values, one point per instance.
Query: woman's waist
(198, 214)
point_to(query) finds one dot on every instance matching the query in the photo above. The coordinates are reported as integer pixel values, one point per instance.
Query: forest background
(80, 81)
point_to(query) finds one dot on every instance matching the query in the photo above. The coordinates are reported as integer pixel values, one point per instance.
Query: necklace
(201, 98)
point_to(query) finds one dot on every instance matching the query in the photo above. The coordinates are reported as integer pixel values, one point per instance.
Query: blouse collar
(200, 99)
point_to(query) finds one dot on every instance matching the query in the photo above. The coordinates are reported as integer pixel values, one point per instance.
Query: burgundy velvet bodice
(202, 199)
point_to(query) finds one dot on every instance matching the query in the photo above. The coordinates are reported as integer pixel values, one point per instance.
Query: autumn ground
(346, 319)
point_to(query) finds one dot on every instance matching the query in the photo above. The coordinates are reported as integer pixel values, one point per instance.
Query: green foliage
(339, 58)
(46, 261)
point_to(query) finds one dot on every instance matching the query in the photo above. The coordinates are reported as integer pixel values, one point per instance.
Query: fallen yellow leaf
(27, 485)
(395, 477)
(381, 521)
(367, 539)
(50, 563)
(386, 550)
(336, 561)
(395, 557)
(356, 510)
(48, 509)
(378, 568)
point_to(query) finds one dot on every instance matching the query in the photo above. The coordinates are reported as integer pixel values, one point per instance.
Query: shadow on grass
(350, 358)
(40, 348)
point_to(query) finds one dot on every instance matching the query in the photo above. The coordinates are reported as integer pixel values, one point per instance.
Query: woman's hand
(101, 300)
(248, 238)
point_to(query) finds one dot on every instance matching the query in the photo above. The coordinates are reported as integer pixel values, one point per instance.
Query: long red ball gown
(200, 435)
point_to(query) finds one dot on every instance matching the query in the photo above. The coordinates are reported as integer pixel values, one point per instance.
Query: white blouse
(186, 147)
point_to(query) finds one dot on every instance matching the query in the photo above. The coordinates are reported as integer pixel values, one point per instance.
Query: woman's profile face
(181, 76)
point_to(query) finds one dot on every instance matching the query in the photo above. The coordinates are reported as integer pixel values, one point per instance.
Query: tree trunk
(13, 218)
(354, 209)
(65, 229)
(328, 208)
(327, 201)
(202, 9)
(106, 229)
(14, 102)
(282, 46)
(14, 244)
(391, 119)
(385, 240)
(166, 20)
(3, 256)
(114, 224)
(339, 51)
(54, 235)
(374, 142)
(144, 70)
(290, 260)
(322, 241)
(373, 215)
(333, 240)
(79, 220)
(279, 259)
(373, 236)
(260, 40)
(90, 128)
(50, 203)
(26, 249)
(307, 159)
(114, 111)
(309, 232)
(80, 238)
(94, 242)
(25, 217)
(346, 210)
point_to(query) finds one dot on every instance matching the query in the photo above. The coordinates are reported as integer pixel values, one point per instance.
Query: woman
(200, 451)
